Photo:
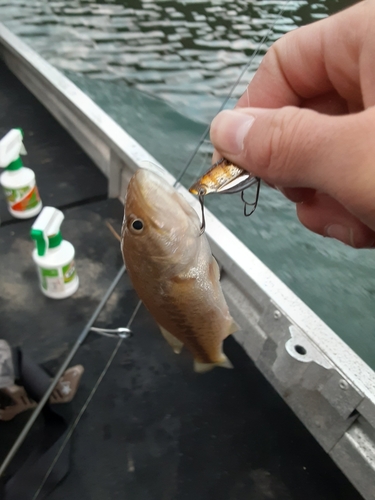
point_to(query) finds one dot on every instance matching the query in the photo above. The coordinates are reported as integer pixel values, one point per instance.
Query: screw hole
(300, 349)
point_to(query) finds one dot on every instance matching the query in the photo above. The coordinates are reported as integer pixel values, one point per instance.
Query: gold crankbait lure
(223, 178)
(226, 178)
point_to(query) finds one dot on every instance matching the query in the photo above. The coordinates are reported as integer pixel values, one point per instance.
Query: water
(161, 69)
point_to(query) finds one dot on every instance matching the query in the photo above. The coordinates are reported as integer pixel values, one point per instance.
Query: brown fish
(173, 270)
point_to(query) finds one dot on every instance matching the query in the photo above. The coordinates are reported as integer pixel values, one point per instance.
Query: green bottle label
(69, 272)
(55, 280)
(22, 199)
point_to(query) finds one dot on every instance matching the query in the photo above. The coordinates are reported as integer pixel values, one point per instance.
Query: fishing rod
(121, 337)
(60, 372)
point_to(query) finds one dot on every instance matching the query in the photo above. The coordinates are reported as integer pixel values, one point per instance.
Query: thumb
(294, 147)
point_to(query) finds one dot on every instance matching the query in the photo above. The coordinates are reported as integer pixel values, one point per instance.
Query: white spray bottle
(18, 181)
(53, 256)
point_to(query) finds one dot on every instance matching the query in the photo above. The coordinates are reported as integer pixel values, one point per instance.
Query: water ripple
(102, 40)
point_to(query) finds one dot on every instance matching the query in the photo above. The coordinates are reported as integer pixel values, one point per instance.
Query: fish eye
(137, 225)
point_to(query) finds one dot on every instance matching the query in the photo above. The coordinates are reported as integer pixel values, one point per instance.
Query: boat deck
(153, 429)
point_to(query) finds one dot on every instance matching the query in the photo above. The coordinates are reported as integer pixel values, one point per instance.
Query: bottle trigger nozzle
(11, 147)
(46, 225)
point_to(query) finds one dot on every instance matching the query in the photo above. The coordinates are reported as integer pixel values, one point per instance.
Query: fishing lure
(224, 177)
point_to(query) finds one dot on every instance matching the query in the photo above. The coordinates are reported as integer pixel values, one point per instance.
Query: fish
(223, 177)
(173, 271)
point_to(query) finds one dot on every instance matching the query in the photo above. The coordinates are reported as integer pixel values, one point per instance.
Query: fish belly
(198, 318)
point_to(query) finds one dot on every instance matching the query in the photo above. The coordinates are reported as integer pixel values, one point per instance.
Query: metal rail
(326, 384)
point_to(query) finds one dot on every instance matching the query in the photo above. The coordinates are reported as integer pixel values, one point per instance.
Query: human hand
(311, 128)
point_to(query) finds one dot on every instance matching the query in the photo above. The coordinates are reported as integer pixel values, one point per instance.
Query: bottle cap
(11, 147)
(46, 229)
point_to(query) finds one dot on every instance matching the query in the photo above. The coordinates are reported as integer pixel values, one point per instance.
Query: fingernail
(341, 233)
(229, 129)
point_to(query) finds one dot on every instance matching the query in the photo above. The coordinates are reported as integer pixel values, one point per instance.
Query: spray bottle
(18, 181)
(53, 256)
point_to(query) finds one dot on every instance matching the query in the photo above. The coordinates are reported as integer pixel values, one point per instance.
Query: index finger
(309, 62)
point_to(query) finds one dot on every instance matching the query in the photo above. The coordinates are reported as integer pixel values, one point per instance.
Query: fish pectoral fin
(234, 327)
(176, 344)
(206, 367)
(214, 270)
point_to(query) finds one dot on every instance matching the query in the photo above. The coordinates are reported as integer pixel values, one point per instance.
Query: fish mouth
(155, 168)
(150, 187)
(152, 198)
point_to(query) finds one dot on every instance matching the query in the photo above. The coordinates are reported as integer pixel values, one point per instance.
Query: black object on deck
(154, 430)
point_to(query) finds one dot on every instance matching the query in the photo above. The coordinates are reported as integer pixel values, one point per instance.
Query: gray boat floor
(153, 429)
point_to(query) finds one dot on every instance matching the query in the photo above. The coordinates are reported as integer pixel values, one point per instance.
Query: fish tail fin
(176, 344)
(206, 367)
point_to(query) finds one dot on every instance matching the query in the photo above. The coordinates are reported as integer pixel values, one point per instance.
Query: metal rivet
(277, 314)
(343, 384)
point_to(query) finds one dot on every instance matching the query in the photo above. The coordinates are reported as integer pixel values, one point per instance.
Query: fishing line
(223, 104)
(60, 372)
(88, 400)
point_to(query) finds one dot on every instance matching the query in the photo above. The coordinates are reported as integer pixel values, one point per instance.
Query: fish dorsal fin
(176, 344)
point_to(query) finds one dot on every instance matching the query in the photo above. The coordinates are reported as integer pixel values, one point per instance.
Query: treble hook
(254, 204)
(201, 201)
